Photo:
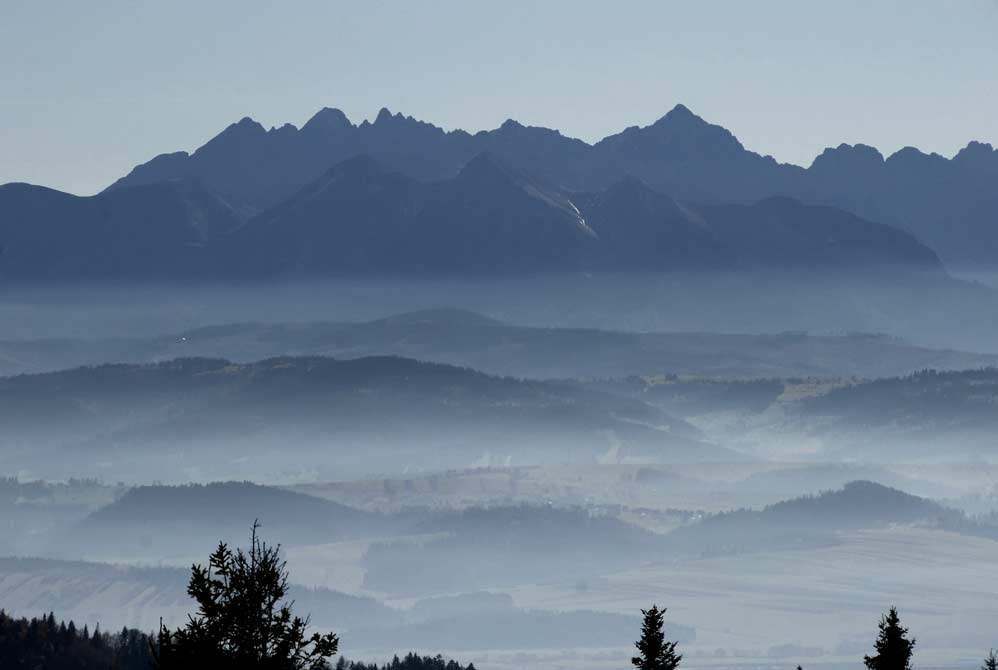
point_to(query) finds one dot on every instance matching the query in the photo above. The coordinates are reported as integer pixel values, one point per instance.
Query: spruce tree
(894, 649)
(990, 661)
(244, 621)
(654, 652)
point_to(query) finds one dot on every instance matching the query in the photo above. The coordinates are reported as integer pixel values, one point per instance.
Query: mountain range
(951, 204)
(399, 196)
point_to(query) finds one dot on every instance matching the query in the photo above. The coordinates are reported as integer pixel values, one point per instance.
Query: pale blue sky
(88, 89)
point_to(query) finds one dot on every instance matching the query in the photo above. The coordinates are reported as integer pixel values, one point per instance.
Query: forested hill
(313, 412)
(927, 415)
(813, 520)
(464, 338)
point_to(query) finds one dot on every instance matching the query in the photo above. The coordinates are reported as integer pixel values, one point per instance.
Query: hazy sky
(88, 89)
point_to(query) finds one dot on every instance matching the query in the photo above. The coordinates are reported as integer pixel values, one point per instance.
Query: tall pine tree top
(654, 652)
(244, 620)
(894, 649)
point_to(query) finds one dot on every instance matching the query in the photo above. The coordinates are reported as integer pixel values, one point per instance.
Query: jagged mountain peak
(977, 148)
(247, 122)
(328, 117)
(848, 163)
(848, 154)
(980, 158)
(681, 114)
(285, 129)
(679, 135)
(244, 127)
(681, 120)
(235, 135)
(913, 154)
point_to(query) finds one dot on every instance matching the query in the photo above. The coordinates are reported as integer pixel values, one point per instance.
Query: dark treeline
(411, 661)
(43, 644)
(965, 396)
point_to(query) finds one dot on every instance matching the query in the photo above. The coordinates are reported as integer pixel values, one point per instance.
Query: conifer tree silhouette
(894, 649)
(244, 620)
(655, 653)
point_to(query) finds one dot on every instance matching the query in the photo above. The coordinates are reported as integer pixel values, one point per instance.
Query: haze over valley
(494, 394)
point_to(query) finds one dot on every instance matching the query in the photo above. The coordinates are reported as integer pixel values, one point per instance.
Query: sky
(89, 89)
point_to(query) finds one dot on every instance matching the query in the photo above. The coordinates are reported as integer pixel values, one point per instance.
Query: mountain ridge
(680, 153)
(492, 219)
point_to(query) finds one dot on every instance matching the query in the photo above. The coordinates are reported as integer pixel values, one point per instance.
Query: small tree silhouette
(654, 652)
(894, 649)
(990, 661)
(244, 620)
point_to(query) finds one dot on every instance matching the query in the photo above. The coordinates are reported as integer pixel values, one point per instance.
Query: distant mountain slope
(643, 230)
(926, 415)
(360, 218)
(857, 504)
(682, 154)
(172, 520)
(948, 203)
(782, 232)
(261, 167)
(154, 230)
(807, 521)
(320, 414)
(460, 337)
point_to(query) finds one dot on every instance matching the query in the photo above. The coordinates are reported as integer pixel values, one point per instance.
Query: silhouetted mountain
(494, 220)
(156, 230)
(643, 230)
(359, 218)
(684, 155)
(948, 203)
(261, 167)
(782, 232)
